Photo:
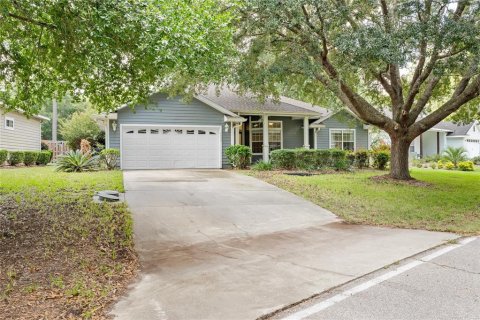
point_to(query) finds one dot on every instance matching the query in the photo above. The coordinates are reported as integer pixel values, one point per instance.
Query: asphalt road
(441, 284)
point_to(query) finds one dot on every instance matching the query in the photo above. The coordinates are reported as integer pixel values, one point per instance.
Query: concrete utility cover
(219, 245)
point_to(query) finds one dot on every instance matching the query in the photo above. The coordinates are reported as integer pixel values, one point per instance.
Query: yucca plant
(75, 161)
(455, 155)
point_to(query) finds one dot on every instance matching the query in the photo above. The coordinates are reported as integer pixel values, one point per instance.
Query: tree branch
(32, 21)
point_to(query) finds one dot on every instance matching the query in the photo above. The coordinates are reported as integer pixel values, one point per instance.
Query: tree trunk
(399, 158)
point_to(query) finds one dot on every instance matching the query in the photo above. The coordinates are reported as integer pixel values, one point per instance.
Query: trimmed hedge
(309, 159)
(381, 159)
(44, 157)
(30, 157)
(361, 159)
(283, 158)
(16, 157)
(3, 156)
(239, 156)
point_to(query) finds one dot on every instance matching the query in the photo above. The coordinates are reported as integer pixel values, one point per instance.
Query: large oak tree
(109, 51)
(400, 65)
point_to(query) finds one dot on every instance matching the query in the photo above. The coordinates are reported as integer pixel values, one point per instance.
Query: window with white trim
(274, 136)
(9, 123)
(342, 139)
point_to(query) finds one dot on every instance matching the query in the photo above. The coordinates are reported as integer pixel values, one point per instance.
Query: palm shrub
(3, 156)
(16, 157)
(44, 157)
(455, 155)
(75, 161)
(30, 157)
(110, 157)
(239, 156)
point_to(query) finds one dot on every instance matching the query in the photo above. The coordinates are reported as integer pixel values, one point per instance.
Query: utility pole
(54, 120)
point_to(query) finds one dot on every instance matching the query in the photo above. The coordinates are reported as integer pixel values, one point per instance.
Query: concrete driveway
(219, 245)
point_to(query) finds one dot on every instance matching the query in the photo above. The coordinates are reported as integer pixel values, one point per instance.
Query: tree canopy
(401, 65)
(109, 51)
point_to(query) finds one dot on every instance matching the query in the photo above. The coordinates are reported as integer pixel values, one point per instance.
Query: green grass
(451, 201)
(80, 252)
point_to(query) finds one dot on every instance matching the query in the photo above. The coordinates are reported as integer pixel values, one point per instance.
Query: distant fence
(58, 148)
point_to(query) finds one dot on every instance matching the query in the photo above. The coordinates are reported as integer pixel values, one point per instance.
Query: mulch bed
(388, 179)
(57, 262)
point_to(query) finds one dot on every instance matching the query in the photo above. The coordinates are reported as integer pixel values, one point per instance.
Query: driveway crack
(453, 268)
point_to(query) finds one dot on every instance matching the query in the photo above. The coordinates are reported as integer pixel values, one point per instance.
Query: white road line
(302, 314)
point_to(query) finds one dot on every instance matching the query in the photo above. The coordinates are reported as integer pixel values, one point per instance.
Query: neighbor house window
(274, 136)
(342, 139)
(9, 123)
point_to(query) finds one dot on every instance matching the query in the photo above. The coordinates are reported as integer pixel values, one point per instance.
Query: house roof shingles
(249, 104)
(455, 130)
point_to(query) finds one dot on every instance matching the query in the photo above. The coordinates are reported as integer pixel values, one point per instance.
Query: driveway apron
(214, 244)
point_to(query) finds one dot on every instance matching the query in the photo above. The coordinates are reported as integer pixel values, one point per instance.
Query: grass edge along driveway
(451, 201)
(62, 256)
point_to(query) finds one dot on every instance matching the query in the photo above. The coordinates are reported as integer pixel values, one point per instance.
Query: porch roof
(249, 104)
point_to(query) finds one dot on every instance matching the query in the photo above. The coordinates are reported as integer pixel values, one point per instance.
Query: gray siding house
(170, 133)
(19, 133)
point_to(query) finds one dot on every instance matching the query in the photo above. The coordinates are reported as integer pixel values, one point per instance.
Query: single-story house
(20, 133)
(448, 134)
(170, 133)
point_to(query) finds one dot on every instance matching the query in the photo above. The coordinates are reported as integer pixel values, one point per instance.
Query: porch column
(237, 133)
(306, 143)
(266, 146)
(232, 134)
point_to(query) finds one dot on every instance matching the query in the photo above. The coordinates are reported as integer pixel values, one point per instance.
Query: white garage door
(170, 147)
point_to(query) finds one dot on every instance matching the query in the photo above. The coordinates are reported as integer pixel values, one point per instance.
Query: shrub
(339, 158)
(283, 159)
(3, 156)
(30, 157)
(44, 157)
(44, 146)
(75, 161)
(466, 165)
(380, 159)
(80, 126)
(85, 146)
(350, 158)
(239, 156)
(305, 159)
(448, 165)
(262, 166)
(110, 157)
(440, 164)
(476, 160)
(341, 164)
(16, 157)
(324, 158)
(361, 159)
(433, 158)
(455, 155)
(433, 165)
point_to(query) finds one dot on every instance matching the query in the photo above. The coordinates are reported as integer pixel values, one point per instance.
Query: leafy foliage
(111, 51)
(361, 159)
(387, 61)
(306, 159)
(262, 166)
(283, 158)
(30, 157)
(15, 157)
(44, 157)
(110, 158)
(79, 127)
(465, 166)
(75, 161)
(476, 160)
(3, 156)
(239, 156)
(380, 159)
(455, 155)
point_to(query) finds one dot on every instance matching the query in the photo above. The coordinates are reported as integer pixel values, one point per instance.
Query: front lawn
(451, 201)
(61, 255)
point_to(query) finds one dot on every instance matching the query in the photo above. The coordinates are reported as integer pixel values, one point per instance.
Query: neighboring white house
(443, 135)
(19, 133)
